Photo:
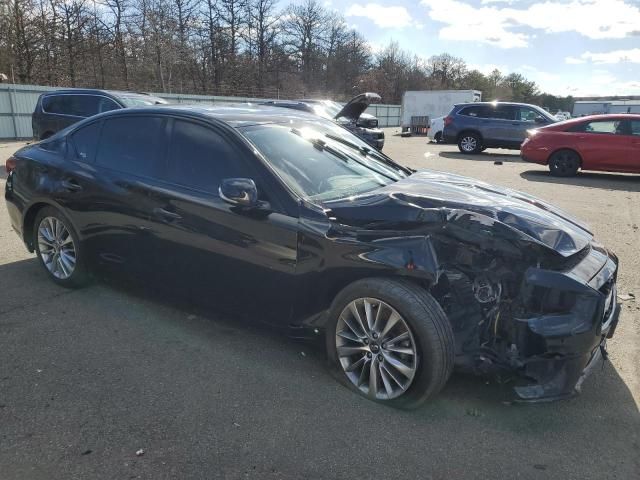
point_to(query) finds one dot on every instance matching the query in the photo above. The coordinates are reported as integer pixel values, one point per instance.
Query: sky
(568, 47)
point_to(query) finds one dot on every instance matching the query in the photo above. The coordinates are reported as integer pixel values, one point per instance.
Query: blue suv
(476, 126)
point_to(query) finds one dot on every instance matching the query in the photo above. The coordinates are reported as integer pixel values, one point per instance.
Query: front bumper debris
(571, 343)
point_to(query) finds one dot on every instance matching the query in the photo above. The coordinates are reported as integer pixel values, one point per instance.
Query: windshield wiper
(366, 151)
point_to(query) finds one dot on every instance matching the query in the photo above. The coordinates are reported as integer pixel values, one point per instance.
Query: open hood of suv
(357, 105)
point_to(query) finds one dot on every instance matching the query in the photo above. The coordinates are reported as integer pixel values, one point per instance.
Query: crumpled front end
(562, 323)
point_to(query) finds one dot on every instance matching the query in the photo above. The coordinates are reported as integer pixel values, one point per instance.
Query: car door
(235, 259)
(114, 214)
(525, 119)
(603, 144)
(498, 128)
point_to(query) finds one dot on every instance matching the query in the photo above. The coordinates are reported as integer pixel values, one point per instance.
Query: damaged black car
(292, 219)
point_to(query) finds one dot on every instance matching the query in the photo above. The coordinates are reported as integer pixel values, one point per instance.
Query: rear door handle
(71, 185)
(166, 214)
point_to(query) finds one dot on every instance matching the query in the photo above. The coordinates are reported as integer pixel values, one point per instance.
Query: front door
(227, 257)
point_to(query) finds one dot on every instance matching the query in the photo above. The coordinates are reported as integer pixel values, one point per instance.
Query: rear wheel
(470, 143)
(564, 163)
(438, 137)
(390, 341)
(59, 249)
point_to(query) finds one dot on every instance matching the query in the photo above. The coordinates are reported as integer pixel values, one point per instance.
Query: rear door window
(85, 142)
(200, 158)
(133, 144)
(603, 127)
(478, 111)
(503, 112)
(635, 127)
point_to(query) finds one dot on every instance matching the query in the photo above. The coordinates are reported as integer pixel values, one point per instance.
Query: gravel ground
(90, 377)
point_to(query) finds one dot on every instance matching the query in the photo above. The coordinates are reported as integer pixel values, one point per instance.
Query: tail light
(448, 120)
(10, 164)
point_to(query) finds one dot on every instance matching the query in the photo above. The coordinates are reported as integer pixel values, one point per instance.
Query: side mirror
(241, 192)
(540, 120)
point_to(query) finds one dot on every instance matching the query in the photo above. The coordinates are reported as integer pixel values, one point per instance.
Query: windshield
(322, 161)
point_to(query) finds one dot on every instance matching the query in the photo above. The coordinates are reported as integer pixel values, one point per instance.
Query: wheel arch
(30, 216)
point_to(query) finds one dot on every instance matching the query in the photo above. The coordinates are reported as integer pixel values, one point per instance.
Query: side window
(199, 158)
(84, 105)
(58, 104)
(503, 112)
(133, 145)
(602, 127)
(477, 111)
(106, 104)
(525, 114)
(635, 127)
(85, 142)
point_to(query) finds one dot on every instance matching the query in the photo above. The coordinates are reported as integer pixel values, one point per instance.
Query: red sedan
(599, 142)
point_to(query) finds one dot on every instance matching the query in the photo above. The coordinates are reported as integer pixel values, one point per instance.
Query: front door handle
(166, 214)
(71, 185)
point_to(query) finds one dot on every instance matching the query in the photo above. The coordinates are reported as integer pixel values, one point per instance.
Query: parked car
(598, 142)
(296, 222)
(351, 116)
(435, 130)
(477, 126)
(561, 116)
(60, 108)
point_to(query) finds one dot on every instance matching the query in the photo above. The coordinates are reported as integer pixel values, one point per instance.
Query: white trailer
(433, 103)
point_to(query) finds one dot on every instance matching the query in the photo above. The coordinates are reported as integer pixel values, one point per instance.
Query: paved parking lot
(89, 377)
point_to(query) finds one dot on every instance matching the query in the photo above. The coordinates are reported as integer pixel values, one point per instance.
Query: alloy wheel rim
(376, 348)
(468, 144)
(56, 246)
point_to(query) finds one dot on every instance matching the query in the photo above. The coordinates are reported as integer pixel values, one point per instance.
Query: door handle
(166, 214)
(71, 185)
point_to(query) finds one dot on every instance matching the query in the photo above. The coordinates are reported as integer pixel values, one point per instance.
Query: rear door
(499, 125)
(232, 258)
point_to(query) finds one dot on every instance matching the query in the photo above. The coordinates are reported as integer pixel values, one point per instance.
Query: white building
(591, 107)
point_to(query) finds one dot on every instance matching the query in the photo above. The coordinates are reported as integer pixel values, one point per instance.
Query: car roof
(604, 117)
(235, 115)
(95, 91)
(514, 104)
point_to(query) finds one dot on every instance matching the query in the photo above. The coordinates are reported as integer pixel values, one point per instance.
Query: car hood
(535, 219)
(357, 105)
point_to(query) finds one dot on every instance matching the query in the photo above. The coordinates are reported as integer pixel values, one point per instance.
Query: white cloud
(574, 60)
(501, 26)
(615, 56)
(385, 17)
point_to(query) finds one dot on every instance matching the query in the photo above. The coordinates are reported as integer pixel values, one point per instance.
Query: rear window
(133, 145)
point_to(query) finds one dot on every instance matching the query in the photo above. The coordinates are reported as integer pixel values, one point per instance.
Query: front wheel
(390, 341)
(564, 163)
(469, 143)
(59, 249)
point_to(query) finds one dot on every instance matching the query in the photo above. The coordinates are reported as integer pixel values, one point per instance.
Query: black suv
(59, 109)
(480, 125)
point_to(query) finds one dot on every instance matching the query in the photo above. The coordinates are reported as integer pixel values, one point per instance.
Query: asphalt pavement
(118, 380)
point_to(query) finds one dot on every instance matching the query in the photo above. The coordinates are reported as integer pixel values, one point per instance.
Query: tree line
(225, 47)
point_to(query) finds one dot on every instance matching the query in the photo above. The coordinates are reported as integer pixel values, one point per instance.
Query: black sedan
(292, 218)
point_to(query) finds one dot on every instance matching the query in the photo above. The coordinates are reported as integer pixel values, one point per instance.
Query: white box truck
(433, 103)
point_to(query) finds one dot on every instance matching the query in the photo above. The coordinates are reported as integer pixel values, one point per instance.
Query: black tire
(470, 142)
(79, 276)
(564, 163)
(438, 137)
(428, 324)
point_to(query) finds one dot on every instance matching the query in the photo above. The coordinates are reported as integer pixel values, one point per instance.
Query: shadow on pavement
(483, 157)
(605, 181)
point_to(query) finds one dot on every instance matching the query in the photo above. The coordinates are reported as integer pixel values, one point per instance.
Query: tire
(425, 330)
(470, 143)
(564, 163)
(438, 137)
(60, 254)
